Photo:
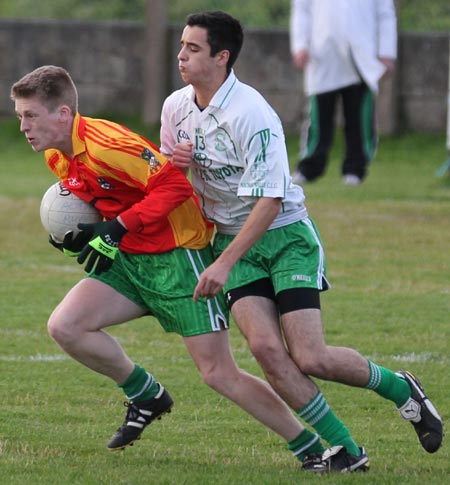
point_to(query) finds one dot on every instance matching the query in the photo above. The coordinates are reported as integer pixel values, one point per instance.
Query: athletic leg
(304, 337)
(212, 355)
(305, 340)
(76, 325)
(255, 309)
(258, 319)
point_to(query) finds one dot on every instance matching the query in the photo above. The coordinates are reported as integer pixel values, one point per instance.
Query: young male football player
(269, 256)
(144, 259)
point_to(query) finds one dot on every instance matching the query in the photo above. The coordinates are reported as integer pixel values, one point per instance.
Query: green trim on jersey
(291, 257)
(164, 284)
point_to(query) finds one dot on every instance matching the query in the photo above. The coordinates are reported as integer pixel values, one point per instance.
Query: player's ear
(222, 57)
(65, 113)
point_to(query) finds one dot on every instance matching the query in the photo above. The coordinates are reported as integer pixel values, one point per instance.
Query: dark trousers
(358, 103)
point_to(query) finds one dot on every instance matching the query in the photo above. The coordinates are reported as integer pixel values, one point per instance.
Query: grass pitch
(388, 260)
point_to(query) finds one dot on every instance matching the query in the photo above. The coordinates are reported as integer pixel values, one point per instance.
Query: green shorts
(164, 284)
(291, 257)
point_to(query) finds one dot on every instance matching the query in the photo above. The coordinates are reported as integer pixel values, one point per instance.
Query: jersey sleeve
(168, 135)
(263, 146)
(166, 189)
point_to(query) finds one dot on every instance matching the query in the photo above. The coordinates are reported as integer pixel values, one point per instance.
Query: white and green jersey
(239, 153)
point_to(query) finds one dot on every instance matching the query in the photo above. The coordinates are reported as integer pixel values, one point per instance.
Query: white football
(62, 211)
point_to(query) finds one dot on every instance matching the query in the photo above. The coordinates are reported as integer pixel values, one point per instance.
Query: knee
(314, 364)
(213, 377)
(61, 331)
(314, 368)
(269, 353)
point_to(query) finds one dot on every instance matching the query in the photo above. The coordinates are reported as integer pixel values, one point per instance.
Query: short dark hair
(51, 84)
(224, 32)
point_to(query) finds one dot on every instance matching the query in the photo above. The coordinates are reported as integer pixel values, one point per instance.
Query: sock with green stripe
(306, 443)
(388, 384)
(140, 385)
(317, 413)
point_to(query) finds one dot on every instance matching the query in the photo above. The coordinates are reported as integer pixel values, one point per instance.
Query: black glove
(104, 245)
(71, 246)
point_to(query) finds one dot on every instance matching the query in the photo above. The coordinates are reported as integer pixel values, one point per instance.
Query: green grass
(387, 247)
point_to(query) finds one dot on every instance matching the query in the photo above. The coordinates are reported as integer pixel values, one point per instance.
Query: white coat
(344, 40)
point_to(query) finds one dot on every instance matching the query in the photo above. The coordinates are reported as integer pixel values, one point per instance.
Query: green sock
(317, 413)
(306, 443)
(388, 384)
(140, 385)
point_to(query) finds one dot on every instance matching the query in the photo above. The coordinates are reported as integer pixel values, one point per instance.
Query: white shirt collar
(223, 95)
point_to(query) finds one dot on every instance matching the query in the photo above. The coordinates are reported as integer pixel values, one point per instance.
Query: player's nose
(24, 126)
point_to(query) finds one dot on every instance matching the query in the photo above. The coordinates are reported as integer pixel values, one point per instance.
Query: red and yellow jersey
(123, 173)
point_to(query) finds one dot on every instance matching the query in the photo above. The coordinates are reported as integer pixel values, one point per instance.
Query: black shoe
(336, 459)
(312, 463)
(423, 415)
(138, 416)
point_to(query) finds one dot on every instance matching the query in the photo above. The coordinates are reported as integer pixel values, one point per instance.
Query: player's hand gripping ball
(103, 246)
(71, 245)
